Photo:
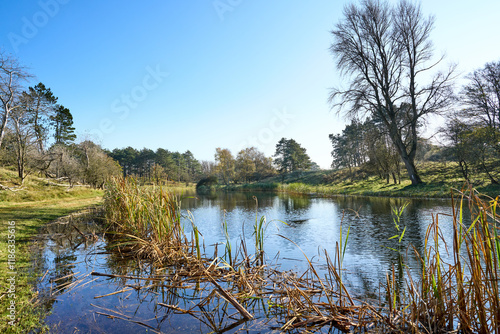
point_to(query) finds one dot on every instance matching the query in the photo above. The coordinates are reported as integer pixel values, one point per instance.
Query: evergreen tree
(41, 105)
(62, 121)
(290, 156)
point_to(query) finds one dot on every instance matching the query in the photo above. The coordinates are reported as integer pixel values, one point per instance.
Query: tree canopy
(290, 156)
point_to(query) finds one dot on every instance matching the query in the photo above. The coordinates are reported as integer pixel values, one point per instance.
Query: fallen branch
(94, 273)
(11, 189)
(113, 293)
(230, 299)
(176, 308)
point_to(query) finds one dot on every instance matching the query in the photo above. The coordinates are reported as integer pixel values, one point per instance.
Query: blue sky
(201, 74)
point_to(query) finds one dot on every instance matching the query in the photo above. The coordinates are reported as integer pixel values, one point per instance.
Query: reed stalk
(145, 219)
(228, 254)
(258, 232)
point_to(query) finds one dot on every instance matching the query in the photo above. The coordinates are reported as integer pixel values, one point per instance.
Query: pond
(122, 302)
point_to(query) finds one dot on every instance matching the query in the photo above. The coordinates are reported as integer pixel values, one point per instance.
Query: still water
(296, 225)
(312, 225)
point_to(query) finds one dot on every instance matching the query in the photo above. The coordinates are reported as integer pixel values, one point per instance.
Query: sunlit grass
(38, 189)
(28, 218)
(438, 177)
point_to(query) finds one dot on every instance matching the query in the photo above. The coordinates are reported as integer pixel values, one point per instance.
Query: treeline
(472, 133)
(37, 133)
(251, 165)
(248, 165)
(157, 166)
(471, 136)
(367, 145)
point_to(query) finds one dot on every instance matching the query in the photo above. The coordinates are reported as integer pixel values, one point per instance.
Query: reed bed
(457, 297)
(146, 221)
(462, 296)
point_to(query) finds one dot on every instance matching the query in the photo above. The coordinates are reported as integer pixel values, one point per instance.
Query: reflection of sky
(314, 225)
(72, 310)
(311, 223)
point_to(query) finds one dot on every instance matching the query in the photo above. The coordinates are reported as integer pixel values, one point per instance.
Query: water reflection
(129, 296)
(69, 254)
(314, 225)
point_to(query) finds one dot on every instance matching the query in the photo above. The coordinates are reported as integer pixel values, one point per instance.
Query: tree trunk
(3, 127)
(492, 179)
(412, 172)
(408, 158)
(464, 168)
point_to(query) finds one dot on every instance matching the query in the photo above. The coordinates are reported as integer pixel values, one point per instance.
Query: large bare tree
(12, 74)
(386, 52)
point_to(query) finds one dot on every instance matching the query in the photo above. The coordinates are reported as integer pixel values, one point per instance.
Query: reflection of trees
(372, 225)
(61, 275)
(294, 203)
(229, 201)
(55, 252)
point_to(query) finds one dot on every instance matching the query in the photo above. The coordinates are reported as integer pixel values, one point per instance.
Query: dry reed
(462, 296)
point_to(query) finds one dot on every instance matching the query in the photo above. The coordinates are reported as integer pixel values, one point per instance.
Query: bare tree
(66, 164)
(12, 74)
(385, 50)
(208, 168)
(25, 140)
(482, 96)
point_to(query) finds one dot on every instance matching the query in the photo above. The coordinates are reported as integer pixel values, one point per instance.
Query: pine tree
(63, 125)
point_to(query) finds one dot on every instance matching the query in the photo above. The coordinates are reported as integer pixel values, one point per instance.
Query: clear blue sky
(201, 74)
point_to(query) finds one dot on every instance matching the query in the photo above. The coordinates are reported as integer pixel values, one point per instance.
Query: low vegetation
(145, 221)
(38, 202)
(40, 189)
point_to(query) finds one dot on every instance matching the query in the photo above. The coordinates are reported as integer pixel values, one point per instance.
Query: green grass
(39, 189)
(30, 208)
(439, 179)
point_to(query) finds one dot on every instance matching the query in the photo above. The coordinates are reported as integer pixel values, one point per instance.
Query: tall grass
(459, 296)
(146, 220)
(258, 232)
(228, 249)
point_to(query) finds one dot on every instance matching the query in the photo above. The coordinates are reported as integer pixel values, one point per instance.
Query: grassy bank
(36, 203)
(439, 179)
